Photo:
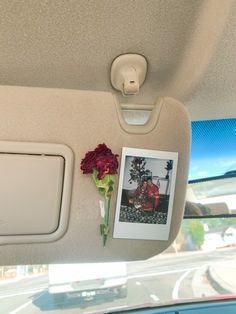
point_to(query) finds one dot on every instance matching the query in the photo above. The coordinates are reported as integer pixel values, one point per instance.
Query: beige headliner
(71, 44)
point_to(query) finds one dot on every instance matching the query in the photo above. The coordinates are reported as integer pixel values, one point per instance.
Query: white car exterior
(87, 280)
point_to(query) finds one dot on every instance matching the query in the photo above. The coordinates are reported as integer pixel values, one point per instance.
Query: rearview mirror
(214, 196)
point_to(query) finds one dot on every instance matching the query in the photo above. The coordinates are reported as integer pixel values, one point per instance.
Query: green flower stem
(105, 229)
(107, 209)
(105, 188)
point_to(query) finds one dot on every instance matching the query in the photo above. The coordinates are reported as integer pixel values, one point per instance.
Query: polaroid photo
(145, 194)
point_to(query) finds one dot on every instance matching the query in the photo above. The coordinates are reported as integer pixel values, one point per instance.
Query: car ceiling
(189, 46)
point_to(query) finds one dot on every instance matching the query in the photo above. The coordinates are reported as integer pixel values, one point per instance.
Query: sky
(213, 149)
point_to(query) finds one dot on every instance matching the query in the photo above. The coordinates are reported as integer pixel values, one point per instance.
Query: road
(154, 281)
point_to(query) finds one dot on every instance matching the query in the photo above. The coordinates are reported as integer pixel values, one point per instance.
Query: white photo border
(143, 231)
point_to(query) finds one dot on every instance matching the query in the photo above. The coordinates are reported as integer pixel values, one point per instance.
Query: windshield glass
(212, 185)
(213, 148)
(200, 264)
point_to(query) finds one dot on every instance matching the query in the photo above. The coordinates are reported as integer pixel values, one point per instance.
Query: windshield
(213, 148)
(200, 264)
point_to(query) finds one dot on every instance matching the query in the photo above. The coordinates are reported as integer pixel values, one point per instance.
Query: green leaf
(104, 229)
(102, 191)
(101, 229)
(105, 185)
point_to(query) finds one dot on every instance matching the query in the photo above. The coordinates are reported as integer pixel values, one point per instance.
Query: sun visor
(48, 132)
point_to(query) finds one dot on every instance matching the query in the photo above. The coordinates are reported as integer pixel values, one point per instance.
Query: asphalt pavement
(160, 280)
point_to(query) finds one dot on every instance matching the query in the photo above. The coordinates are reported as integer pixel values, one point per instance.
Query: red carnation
(101, 162)
(88, 163)
(106, 165)
(102, 149)
(102, 159)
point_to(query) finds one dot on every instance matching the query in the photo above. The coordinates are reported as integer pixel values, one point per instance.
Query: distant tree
(197, 232)
(220, 223)
(194, 229)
